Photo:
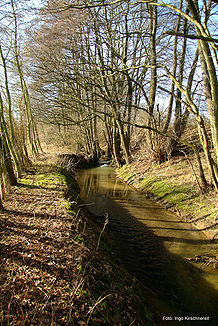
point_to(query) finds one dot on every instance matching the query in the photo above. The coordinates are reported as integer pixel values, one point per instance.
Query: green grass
(185, 196)
(162, 188)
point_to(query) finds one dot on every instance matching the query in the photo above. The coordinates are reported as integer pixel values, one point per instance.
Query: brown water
(153, 244)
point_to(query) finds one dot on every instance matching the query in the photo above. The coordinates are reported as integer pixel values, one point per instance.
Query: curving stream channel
(153, 245)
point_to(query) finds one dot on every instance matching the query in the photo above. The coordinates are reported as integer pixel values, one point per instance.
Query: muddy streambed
(154, 244)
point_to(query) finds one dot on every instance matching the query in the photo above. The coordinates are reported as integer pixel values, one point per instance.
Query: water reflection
(101, 181)
(152, 243)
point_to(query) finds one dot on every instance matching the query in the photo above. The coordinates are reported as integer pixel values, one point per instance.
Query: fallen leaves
(49, 276)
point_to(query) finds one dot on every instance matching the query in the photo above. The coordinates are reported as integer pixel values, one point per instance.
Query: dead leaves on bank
(49, 274)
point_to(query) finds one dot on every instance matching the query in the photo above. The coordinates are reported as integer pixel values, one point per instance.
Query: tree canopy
(98, 72)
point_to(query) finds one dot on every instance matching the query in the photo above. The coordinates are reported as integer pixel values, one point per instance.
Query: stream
(153, 244)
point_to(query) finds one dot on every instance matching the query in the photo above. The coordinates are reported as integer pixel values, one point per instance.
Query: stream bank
(172, 184)
(52, 272)
(154, 246)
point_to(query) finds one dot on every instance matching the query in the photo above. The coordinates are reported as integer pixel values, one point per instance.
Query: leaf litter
(51, 273)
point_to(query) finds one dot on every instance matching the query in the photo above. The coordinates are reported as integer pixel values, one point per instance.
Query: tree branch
(191, 36)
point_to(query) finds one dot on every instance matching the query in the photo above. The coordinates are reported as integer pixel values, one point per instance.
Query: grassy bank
(52, 270)
(173, 184)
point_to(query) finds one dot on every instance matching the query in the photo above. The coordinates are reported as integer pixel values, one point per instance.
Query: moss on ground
(174, 185)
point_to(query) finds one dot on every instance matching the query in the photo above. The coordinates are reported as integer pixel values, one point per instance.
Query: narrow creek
(153, 245)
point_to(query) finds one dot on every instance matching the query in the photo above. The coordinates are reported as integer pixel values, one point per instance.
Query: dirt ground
(51, 272)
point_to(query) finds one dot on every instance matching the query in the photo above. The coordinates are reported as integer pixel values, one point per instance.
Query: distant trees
(97, 61)
(104, 69)
(99, 71)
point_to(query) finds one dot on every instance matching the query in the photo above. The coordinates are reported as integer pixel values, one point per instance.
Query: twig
(105, 224)
(75, 218)
(9, 307)
(95, 305)
(84, 227)
(75, 202)
(192, 167)
(192, 220)
(209, 227)
(81, 205)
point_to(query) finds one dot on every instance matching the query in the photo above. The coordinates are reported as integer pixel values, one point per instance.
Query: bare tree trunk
(116, 144)
(1, 185)
(204, 142)
(12, 140)
(1, 206)
(178, 125)
(7, 145)
(209, 75)
(31, 127)
(123, 143)
(170, 105)
(153, 78)
(6, 163)
(204, 185)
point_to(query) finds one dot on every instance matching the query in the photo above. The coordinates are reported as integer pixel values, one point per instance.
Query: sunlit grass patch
(174, 184)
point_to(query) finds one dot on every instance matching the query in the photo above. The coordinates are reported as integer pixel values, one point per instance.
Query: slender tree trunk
(1, 206)
(1, 186)
(153, 57)
(123, 143)
(204, 185)
(204, 142)
(7, 166)
(12, 145)
(31, 127)
(8, 95)
(116, 144)
(209, 76)
(170, 105)
(178, 126)
(7, 144)
(153, 71)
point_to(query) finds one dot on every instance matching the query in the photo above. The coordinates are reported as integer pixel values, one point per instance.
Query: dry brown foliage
(50, 271)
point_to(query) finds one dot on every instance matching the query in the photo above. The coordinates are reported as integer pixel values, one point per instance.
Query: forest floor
(52, 271)
(174, 185)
